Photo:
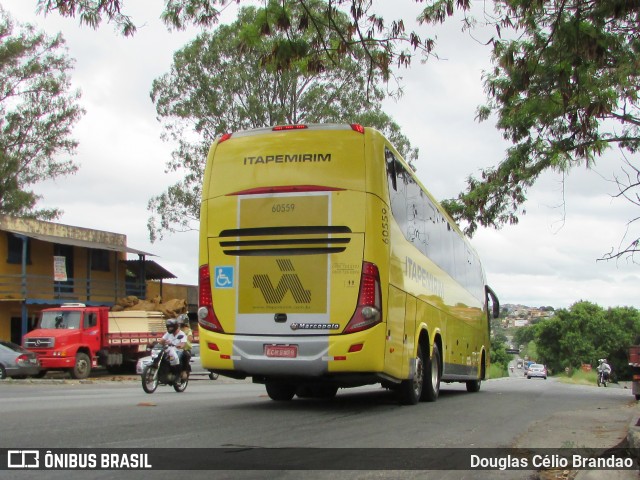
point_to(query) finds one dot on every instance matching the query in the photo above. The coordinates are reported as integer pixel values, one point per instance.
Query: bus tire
(411, 390)
(326, 392)
(280, 392)
(473, 386)
(431, 388)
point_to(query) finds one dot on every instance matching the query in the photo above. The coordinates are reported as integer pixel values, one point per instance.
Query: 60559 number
(283, 207)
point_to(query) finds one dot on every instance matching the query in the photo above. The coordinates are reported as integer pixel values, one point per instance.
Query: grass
(496, 371)
(578, 377)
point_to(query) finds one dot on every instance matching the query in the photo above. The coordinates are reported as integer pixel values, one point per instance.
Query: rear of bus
(290, 289)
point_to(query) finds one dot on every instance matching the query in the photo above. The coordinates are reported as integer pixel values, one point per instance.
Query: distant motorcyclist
(183, 322)
(175, 338)
(604, 368)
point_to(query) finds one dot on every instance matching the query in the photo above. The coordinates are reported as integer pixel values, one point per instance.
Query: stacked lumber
(170, 309)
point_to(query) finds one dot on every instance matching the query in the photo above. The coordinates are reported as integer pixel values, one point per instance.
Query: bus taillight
(206, 315)
(224, 138)
(369, 310)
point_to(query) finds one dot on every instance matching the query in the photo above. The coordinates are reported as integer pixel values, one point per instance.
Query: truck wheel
(411, 389)
(213, 376)
(149, 379)
(280, 392)
(82, 368)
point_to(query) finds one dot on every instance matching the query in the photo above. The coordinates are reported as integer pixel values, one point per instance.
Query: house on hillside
(47, 264)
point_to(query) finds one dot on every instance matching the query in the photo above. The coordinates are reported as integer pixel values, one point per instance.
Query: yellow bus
(325, 264)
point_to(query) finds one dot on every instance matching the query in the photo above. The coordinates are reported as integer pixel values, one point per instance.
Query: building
(44, 264)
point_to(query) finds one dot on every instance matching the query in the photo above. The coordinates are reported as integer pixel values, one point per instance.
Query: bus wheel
(325, 391)
(281, 392)
(411, 390)
(304, 392)
(431, 388)
(473, 386)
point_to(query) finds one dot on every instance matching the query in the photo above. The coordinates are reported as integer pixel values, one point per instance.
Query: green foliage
(524, 335)
(220, 82)
(578, 377)
(498, 353)
(564, 91)
(530, 350)
(586, 332)
(497, 371)
(37, 112)
(332, 30)
(564, 86)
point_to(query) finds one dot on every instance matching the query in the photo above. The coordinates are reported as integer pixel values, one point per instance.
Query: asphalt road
(510, 412)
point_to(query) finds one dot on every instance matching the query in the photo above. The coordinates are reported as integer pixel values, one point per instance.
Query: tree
(37, 112)
(524, 335)
(498, 353)
(564, 87)
(564, 91)
(586, 332)
(219, 83)
(328, 36)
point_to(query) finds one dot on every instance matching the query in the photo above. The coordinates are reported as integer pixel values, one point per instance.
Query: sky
(548, 259)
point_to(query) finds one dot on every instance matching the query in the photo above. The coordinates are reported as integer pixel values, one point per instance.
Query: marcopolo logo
(289, 282)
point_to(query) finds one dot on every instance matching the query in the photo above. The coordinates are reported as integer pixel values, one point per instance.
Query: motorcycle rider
(175, 338)
(183, 322)
(604, 367)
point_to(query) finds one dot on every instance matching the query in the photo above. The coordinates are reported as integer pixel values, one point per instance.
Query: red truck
(77, 338)
(634, 363)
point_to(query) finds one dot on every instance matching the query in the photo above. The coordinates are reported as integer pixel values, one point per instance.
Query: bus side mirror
(495, 303)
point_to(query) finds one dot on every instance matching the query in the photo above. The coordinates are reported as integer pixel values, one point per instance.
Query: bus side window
(391, 168)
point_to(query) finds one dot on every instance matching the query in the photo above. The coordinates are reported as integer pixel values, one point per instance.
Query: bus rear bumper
(294, 355)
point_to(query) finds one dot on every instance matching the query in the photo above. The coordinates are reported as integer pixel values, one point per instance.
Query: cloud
(549, 258)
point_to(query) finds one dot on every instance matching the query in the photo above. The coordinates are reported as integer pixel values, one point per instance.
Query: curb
(633, 437)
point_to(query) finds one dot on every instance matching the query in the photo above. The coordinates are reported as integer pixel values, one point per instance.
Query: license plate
(281, 351)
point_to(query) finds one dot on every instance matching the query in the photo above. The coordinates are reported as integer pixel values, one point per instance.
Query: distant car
(196, 366)
(17, 362)
(537, 370)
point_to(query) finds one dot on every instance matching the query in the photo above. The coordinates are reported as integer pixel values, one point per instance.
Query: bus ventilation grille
(277, 241)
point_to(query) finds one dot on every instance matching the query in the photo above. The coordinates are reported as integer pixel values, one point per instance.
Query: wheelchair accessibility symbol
(223, 277)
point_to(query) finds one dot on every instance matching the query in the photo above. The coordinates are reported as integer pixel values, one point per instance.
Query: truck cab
(68, 338)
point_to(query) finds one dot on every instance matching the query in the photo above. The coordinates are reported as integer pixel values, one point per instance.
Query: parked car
(196, 366)
(17, 362)
(537, 370)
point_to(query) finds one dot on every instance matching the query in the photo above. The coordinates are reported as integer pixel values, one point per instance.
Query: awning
(80, 243)
(152, 270)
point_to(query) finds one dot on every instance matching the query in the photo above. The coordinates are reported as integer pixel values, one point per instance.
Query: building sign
(60, 269)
